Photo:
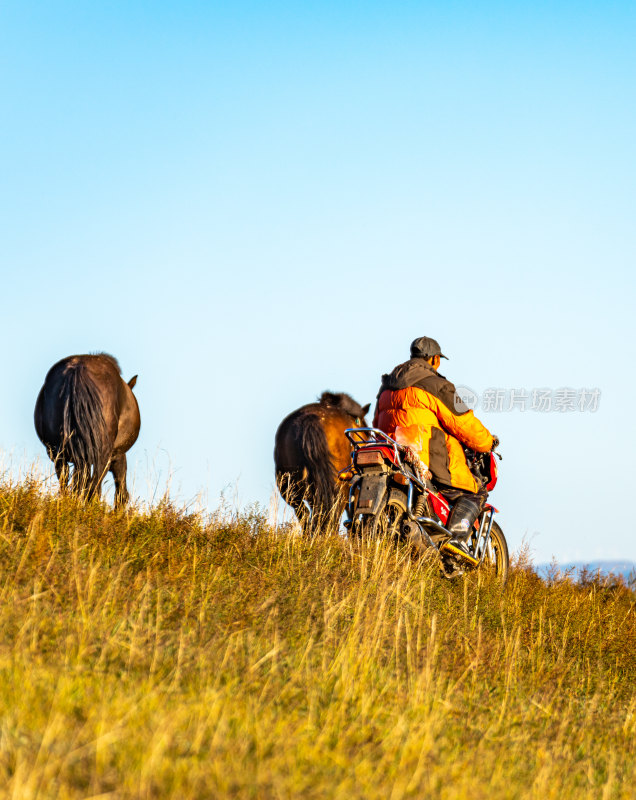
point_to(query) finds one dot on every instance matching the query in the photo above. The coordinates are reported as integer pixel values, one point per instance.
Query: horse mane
(108, 357)
(343, 402)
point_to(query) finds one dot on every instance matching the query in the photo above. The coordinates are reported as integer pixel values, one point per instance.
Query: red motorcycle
(391, 494)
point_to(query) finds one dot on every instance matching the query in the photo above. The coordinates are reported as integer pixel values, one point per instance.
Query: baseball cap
(425, 347)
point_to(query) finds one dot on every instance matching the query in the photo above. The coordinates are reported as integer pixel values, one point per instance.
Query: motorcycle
(391, 494)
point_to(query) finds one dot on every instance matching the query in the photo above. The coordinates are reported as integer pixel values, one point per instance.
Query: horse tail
(318, 462)
(84, 431)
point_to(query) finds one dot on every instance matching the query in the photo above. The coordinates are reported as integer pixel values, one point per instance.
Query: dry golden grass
(159, 655)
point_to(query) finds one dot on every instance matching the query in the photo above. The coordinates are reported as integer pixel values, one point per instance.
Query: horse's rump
(310, 448)
(302, 456)
(87, 417)
(85, 439)
(318, 459)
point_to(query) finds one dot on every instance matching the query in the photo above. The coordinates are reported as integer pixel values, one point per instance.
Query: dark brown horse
(310, 450)
(86, 415)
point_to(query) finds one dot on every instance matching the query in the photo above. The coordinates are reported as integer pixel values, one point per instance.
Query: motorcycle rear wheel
(497, 561)
(387, 521)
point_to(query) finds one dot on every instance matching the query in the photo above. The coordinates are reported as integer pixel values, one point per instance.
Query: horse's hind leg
(294, 495)
(118, 468)
(326, 517)
(81, 480)
(95, 484)
(62, 472)
(321, 518)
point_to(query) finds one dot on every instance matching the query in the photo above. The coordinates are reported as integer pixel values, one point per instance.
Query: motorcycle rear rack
(361, 437)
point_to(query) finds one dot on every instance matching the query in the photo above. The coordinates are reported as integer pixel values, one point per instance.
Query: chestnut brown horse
(310, 450)
(87, 416)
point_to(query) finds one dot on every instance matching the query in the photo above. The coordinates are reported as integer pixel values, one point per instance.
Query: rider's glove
(495, 443)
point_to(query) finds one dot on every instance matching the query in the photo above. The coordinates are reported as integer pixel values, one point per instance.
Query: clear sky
(250, 203)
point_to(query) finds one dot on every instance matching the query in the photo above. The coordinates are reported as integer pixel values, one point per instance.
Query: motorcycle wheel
(387, 522)
(497, 561)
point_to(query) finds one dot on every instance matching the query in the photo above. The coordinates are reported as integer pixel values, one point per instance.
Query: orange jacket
(425, 405)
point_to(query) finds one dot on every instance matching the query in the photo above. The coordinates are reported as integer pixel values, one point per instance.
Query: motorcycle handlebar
(475, 453)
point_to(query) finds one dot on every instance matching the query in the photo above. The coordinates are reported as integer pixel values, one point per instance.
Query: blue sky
(250, 203)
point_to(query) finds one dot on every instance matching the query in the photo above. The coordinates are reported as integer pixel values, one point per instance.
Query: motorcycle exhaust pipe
(417, 535)
(431, 523)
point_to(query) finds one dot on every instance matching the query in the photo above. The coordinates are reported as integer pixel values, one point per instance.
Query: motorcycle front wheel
(496, 560)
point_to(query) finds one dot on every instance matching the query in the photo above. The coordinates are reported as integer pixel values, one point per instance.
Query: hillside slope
(159, 655)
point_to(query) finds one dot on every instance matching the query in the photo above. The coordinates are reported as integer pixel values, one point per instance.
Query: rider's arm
(465, 427)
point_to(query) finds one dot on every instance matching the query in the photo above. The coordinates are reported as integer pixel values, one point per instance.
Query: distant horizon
(600, 563)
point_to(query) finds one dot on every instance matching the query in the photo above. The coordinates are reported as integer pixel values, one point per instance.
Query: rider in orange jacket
(420, 405)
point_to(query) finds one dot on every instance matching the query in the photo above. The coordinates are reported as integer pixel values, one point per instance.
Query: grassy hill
(152, 655)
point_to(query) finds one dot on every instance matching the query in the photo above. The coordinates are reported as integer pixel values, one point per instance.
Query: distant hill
(627, 569)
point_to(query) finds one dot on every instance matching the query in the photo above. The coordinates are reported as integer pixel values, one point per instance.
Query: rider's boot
(460, 525)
